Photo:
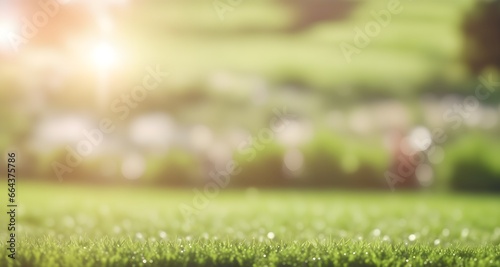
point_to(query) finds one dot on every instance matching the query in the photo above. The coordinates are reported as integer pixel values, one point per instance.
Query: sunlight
(6, 29)
(104, 56)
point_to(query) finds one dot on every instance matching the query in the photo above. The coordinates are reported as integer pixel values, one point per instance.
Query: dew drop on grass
(437, 241)
(412, 237)
(376, 232)
(270, 235)
(144, 261)
(163, 235)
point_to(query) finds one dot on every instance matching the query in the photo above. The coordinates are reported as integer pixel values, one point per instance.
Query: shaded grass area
(69, 225)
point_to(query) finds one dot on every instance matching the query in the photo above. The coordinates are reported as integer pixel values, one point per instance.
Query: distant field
(63, 225)
(423, 40)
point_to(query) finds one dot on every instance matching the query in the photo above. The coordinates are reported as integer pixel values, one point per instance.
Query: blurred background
(343, 94)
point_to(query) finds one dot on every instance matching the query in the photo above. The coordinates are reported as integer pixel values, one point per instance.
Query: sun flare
(104, 55)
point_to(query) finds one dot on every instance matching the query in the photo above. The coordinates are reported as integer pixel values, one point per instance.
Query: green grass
(62, 225)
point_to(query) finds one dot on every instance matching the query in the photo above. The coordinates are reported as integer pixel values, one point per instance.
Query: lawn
(69, 225)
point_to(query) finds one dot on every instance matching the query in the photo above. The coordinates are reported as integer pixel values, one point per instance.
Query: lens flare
(104, 55)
